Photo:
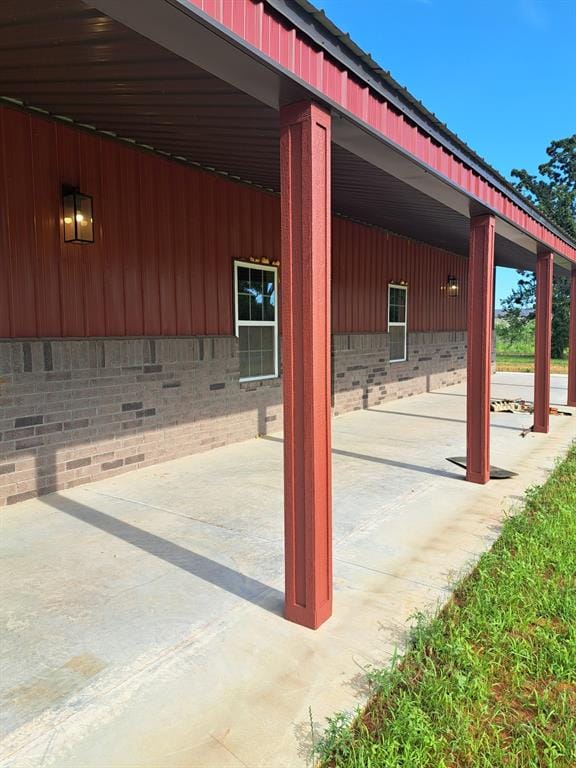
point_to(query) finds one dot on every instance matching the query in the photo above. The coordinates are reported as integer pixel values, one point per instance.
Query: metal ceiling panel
(72, 60)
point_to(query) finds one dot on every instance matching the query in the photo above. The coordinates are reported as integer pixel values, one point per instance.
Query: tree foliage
(520, 308)
(553, 190)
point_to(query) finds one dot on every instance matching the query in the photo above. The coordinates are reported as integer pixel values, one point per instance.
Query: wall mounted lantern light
(78, 220)
(452, 287)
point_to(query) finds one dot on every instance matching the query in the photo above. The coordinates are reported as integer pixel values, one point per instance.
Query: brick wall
(78, 410)
(363, 375)
(72, 411)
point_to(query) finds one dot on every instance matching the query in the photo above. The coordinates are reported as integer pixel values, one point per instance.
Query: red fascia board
(254, 22)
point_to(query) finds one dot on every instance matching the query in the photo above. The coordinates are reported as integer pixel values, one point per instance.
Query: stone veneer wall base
(364, 376)
(75, 411)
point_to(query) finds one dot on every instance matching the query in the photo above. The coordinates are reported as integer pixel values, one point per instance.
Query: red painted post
(572, 343)
(305, 146)
(480, 300)
(543, 347)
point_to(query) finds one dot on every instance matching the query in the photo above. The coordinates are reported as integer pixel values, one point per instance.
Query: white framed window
(398, 322)
(256, 319)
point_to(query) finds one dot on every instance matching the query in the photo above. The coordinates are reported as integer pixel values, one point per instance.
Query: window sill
(259, 378)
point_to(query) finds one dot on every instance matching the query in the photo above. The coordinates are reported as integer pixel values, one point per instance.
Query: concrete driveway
(142, 614)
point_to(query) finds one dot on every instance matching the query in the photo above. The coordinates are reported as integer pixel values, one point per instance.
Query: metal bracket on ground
(496, 473)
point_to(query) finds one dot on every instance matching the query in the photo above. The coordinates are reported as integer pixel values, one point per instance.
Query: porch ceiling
(369, 194)
(74, 61)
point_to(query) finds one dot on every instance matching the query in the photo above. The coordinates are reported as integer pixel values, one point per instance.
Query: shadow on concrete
(511, 397)
(447, 394)
(387, 462)
(306, 734)
(527, 386)
(440, 418)
(202, 567)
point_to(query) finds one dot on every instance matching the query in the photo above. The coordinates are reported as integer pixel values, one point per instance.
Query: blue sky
(500, 73)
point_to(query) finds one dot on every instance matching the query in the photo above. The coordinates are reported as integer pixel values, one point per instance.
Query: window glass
(269, 299)
(243, 306)
(397, 324)
(397, 305)
(256, 321)
(397, 334)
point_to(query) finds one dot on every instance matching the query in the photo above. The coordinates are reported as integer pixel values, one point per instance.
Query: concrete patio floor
(142, 614)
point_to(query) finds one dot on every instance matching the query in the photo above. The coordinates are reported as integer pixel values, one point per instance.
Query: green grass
(521, 344)
(490, 681)
(518, 354)
(525, 363)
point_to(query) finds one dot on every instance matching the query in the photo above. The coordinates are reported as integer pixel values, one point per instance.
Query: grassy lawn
(518, 355)
(521, 362)
(491, 681)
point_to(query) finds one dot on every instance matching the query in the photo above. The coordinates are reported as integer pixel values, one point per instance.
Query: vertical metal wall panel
(148, 223)
(72, 256)
(181, 253)
(46, 201)
(366, 260)
(132, 256)
(166, 237)
(5, 277)
(164, 210)
(196, 240)
(213, 7)
(222, 254)
(113, 210)
(210, 265)
(253, 29)
(90, 178)
(19, 207)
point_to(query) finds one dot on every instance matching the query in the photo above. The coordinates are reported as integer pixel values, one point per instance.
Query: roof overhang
(224, 113)
(218, 49)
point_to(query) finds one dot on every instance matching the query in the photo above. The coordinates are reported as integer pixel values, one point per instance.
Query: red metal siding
(165, 239)
(19, 210)
(46, 245)
(294, 51)
(5, 303)
(365, 260)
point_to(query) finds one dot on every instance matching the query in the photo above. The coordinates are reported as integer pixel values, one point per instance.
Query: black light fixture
(452, 287)
(78, 219)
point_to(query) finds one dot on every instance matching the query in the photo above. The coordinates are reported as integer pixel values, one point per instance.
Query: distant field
(519, 354)
(525, 363)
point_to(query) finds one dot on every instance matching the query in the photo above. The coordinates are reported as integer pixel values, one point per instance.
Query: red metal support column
(543, 347)
(572, 343)
(480, 301)
(305, 145)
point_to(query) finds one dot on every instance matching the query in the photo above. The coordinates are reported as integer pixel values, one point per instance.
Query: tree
(553, 191)
(520, 310)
